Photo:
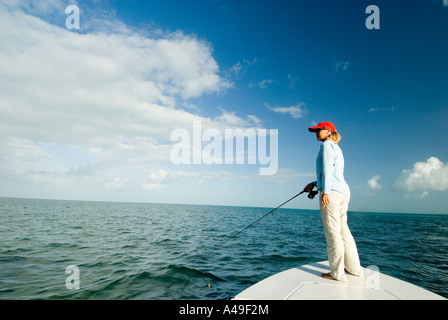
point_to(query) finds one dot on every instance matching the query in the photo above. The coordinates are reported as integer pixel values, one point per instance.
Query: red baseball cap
(323, 125)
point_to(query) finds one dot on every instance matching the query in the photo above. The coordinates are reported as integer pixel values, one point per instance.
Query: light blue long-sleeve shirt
(330, 169)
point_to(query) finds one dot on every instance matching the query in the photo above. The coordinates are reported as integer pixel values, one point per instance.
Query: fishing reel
(312, 194)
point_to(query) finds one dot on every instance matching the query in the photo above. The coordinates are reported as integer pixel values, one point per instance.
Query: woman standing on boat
(334, 199)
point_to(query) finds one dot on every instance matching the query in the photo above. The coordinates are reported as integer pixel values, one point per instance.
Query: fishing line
(310, 195)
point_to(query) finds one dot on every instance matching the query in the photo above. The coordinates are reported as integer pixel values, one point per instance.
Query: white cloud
(231, 120)
(162, 178)
(236, 68)
(37, 6)
(425, 176)
(296, 111)
(341, 67)
(382, 109)
(19, 156)
(110, 96)
(240, 68)
(157, 180)
(90, 85)
(422, 195)
(263, 84)
(117, 183)
(373, 183)
(292, 80)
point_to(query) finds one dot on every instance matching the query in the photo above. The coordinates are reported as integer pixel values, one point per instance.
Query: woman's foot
(328, 276)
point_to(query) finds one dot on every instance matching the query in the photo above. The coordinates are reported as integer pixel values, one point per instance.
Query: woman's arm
(327, 167)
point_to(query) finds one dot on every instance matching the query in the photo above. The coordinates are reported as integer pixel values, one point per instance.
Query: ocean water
(164, 251)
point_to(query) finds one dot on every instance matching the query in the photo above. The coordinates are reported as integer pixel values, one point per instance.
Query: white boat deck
(306, 283)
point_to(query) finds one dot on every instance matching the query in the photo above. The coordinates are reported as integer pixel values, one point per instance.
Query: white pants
(341, 246)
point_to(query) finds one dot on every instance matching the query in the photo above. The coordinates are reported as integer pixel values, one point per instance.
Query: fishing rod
(310, 195)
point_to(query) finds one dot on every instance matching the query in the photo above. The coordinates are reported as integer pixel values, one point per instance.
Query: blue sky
(87, 113)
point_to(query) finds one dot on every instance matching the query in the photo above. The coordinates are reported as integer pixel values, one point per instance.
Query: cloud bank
(296, 111)
(373, 183)
(109, 98)
(431, 175)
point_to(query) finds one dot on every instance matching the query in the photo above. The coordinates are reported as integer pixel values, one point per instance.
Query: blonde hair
(336, 137)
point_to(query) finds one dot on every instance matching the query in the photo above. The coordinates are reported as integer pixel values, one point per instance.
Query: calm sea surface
(162, 251)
